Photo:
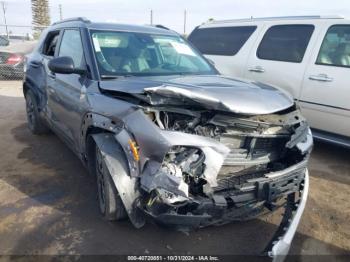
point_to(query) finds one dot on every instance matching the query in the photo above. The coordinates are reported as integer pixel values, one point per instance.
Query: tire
(35, 122)
(110, 203)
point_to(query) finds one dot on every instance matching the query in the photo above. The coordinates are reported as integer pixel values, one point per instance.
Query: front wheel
(110, 203)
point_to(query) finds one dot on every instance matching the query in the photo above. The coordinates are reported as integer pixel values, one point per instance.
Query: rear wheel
(35, 122)
(110, 203)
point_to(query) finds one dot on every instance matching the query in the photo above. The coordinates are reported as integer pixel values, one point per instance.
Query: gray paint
(213, 92)
(76, 106)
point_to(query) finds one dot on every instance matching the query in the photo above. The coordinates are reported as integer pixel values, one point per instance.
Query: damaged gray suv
(168, 138)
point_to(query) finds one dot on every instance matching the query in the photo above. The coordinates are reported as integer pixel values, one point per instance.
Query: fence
(16, 41)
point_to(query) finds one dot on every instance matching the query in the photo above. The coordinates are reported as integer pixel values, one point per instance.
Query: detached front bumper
(250, 200)
(280, 244)
(215, 213)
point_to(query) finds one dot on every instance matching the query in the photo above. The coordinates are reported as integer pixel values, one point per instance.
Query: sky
(170, 13)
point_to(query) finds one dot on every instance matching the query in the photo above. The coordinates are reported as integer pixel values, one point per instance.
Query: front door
(67, 91)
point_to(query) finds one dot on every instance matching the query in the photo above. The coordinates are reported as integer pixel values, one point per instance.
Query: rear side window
(50, 43)
(335, 49)
(285, 43)
(72, 46)
(225, 41)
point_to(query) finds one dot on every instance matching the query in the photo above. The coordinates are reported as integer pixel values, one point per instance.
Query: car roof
(84, 23)
(214, 23)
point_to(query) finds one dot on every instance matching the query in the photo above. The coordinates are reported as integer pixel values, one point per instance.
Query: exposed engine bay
(258, 147)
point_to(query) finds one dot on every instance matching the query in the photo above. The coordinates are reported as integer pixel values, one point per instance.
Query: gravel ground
(48, 204)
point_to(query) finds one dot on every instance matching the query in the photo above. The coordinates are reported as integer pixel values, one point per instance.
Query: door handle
(257, 69)
(35, 64)
(321, 77)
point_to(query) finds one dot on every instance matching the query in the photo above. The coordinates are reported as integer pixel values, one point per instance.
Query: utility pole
(60, 8)
(185, 18)
(151, 17)
(3, 4)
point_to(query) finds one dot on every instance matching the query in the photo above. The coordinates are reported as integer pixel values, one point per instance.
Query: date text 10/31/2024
(173, 258)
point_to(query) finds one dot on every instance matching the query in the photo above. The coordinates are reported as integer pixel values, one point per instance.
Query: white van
(307, 56)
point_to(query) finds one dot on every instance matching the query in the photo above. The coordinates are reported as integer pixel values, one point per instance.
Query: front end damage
(198, 165)
(218, 168)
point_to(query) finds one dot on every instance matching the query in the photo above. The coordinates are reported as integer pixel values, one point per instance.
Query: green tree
(40, 15)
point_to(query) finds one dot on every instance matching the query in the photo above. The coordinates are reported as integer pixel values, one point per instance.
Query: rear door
(37, 70)
(325, 98)
(227, 45)
(281, 54)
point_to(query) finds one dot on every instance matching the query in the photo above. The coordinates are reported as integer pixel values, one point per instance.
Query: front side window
(72, 46)
(130, 53)
(286, 43)
(225, 41)
(335, 49)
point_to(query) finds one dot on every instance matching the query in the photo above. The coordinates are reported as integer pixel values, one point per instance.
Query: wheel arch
(37, 94)
(90, 144)
(93, 123)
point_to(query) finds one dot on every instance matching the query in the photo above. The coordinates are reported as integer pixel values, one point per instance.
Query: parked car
(18, 37)
(167, 137)
(12, 59)
(307, 56)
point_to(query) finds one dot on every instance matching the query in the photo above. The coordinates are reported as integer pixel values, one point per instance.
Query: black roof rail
(73, 19)
(162, 27)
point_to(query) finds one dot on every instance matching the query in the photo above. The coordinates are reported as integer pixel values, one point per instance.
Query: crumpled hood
(212, 92)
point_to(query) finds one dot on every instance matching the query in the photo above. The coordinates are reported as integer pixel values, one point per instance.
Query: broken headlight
(170, 198)
(187, 163)
(181, 172)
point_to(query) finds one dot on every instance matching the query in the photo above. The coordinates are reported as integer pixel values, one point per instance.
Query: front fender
(118, 168)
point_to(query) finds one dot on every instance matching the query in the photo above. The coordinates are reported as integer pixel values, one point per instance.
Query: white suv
(307, 56)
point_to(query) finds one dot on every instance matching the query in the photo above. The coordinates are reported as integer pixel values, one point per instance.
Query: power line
(185, 21)
(60, 9)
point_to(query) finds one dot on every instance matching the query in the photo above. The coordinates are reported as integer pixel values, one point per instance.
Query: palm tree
(41, 15)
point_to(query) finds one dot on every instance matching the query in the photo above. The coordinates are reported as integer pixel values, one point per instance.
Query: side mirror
(64, 65)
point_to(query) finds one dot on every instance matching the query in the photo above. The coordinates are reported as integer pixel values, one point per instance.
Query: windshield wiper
(109, 76)
(114, 76)
(190, 73)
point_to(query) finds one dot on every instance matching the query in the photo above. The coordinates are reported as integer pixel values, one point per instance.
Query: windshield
(129, 53)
